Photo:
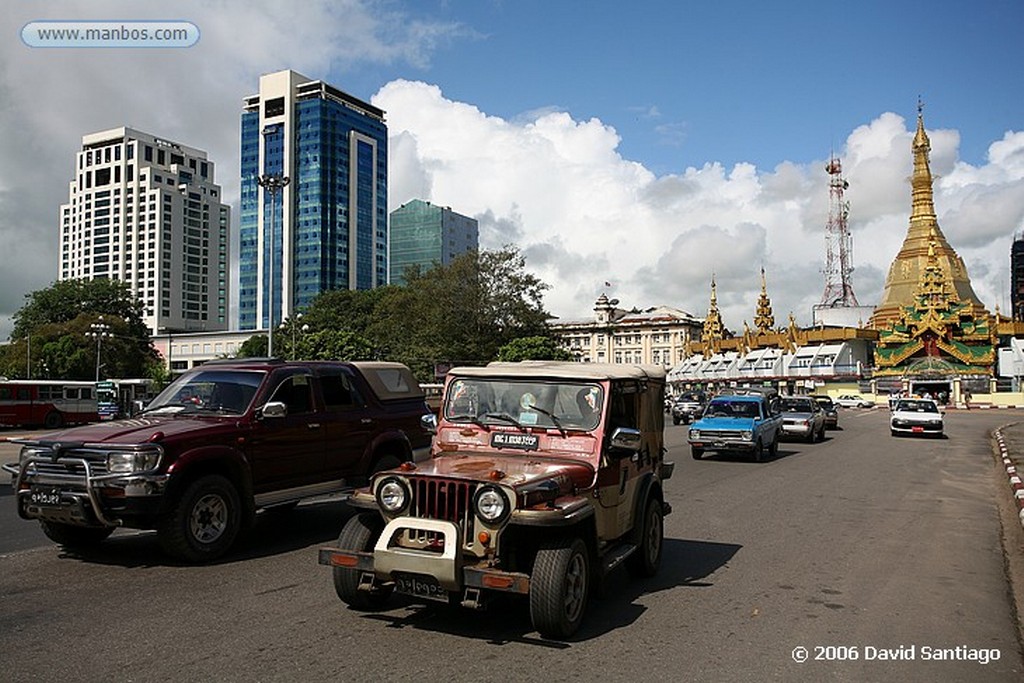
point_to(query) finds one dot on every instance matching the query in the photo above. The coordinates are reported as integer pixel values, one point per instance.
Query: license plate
(421, 586)
(46, 497)
(917, 429)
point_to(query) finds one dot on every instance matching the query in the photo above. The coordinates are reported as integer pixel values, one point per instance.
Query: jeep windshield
(525, 404)
(227, 392)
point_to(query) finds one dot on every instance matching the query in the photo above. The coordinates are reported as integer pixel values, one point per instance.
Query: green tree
(253, 347)
(532, 348)
(50, 337)
(335, 345)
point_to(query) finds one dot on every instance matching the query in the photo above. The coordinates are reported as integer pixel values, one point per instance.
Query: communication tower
(838, 243)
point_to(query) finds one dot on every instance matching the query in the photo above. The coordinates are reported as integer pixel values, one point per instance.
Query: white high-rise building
(146, 211)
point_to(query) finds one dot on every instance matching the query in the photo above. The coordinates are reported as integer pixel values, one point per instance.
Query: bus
(50, 403)
(117, 398)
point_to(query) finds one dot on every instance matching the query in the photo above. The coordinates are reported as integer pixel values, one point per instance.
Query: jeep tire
(359, 533)
(559, 587)
(75, 537)
(646, 559)
(203, 522)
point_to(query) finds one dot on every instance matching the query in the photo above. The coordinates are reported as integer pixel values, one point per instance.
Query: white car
(916, 416)
(852, 401)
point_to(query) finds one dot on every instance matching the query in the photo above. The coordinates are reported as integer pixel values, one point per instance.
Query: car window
(338, 390)
(296, 392)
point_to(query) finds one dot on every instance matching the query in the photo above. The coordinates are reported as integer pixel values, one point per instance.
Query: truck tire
(559, 587)
(75, 537)
(675, 420)
(773, 449)
(359, 533)
(646, 560)
(203, 522)
(759, 451)
(697, 453)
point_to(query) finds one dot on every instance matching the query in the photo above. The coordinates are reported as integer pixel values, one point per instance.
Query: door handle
(366, 420)
(314, 425)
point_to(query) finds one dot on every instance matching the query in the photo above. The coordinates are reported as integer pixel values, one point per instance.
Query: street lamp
(274, 183)
(98, 331)
(293, 324)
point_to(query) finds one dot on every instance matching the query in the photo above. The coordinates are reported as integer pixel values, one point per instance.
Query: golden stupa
(923, 243)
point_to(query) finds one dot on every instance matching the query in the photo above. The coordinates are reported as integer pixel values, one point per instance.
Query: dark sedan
(831, 411)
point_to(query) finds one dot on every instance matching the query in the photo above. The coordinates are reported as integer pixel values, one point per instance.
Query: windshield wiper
(554, 419)
(470, 418)
(507, 418)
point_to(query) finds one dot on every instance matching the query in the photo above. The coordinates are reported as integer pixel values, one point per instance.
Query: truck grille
(447, 499)
(70, 464)
(719, 434)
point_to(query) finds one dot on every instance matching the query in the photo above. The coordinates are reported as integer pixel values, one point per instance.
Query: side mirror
(626, 439)
(274, 409)
(429, 423)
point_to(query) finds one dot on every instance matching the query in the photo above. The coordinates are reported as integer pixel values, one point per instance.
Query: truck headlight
(491, 504)
(33, 452)
(392, 495)
(747, 435)
(130, 462)
(695, 434)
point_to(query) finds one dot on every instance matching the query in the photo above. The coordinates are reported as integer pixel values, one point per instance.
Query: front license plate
(44, 496)
(421, 586)
(917, 429)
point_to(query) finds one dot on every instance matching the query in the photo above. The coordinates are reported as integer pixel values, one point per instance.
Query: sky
(633, 149)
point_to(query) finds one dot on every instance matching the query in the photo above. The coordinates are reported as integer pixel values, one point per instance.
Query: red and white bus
(50, 403)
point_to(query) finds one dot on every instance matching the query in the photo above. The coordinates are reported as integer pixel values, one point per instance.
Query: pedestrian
(967, 399)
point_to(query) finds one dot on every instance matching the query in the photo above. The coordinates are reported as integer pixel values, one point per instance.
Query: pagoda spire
(713, 332)
(764, 320)
(924, 246)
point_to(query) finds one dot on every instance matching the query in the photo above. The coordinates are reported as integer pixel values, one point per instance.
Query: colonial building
(656, 335)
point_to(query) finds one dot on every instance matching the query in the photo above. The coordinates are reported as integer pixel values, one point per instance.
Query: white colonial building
(655, 336)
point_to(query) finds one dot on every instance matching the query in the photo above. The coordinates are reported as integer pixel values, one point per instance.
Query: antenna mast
(838, 243)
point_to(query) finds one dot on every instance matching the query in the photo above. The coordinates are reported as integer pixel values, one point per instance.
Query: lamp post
(274, 183)
(98, 331)
(293, 324)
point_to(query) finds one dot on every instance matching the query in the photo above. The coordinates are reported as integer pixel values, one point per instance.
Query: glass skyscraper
(426, 235)
(330, 222)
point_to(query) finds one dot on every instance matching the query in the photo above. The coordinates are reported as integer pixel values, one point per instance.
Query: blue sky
(647, 144)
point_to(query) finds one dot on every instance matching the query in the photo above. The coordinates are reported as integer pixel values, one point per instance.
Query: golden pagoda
(924, 238)
(764, 320)
(714, 331)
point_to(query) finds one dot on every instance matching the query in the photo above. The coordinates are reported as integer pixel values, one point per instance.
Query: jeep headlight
(130, 462)
(392, 495)
(491, 504)
(695, 434)
(747, 435)
(33, 452)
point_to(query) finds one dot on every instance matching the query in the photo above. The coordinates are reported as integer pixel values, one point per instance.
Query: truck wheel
(696, 452)
(759, 451)
(359, 533)
(385, 462)
(53, 420)
(203, 522)
(675, 420)
(75, 537)
(559, 587)
(773, 449)
(646, 559)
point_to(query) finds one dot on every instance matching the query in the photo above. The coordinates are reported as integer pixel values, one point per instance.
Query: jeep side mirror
(274, 409)
(626, 439)
(429, 423)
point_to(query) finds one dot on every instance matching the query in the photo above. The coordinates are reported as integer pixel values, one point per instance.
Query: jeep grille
(447, 499)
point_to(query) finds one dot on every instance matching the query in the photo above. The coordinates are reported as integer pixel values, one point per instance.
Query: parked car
(802, 417)
(545, 476)
(853, 401)
(830, 409)
(916, 416)
(219, 443)
(687, 406)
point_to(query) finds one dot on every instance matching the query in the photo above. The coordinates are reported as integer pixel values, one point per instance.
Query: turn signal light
(500, 582)
(484, 537)
(339, 560)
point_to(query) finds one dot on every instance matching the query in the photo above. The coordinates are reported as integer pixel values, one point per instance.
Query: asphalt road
(855, 548)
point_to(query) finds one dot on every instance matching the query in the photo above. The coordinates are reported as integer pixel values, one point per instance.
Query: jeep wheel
(559, 587)
(75, 537)
(359, 533)
(696, 452)
(647, 557)
(204, 521)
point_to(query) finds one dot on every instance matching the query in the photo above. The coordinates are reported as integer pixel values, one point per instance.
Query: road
(858, 547)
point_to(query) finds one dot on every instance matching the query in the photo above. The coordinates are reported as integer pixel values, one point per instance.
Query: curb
(1011, 472)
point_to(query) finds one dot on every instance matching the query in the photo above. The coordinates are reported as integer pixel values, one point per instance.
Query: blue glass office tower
(330, 221)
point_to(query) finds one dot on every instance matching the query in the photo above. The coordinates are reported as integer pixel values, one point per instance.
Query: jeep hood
(136, 431)
(519, 470)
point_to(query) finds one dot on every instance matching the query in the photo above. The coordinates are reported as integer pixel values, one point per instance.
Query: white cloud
(584, 215)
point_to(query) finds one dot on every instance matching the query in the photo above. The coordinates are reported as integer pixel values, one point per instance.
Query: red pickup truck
(221, 442)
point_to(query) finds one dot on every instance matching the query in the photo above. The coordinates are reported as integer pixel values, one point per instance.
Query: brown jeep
(544, 477)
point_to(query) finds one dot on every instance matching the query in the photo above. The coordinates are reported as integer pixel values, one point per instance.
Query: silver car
(802, 417)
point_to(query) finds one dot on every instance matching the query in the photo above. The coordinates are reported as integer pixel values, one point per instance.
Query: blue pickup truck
(749, 424)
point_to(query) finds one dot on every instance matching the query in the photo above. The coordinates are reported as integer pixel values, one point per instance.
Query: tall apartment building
(146, 211)
(330, 220)
(425, 235)
(1017, 277)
